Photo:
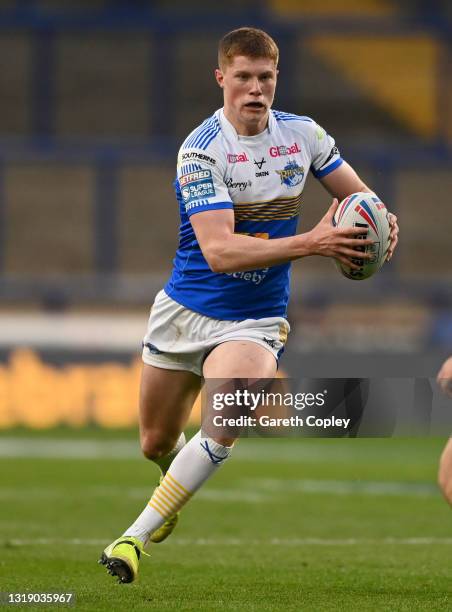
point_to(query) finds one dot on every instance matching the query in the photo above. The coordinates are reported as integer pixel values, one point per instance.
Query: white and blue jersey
(261, 178)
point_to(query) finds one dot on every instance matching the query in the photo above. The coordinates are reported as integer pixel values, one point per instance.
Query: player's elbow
(215, 256)
(217, 265)
(221, 265)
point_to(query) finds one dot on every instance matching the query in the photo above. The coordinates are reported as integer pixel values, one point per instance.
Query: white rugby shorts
(180, 339)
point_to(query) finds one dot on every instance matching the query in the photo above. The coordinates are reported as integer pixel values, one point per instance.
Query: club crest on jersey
(235, 158)
(292, 174)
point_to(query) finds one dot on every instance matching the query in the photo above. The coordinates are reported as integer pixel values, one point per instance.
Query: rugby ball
(367, 211)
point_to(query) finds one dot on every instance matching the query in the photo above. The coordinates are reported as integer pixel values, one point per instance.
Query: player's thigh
(240, 359)
(166, 400)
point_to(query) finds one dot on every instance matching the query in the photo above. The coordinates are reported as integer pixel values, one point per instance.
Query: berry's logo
(240, 185)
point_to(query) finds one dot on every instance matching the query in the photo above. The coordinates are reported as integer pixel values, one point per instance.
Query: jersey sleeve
(325, 154)
(200, 179)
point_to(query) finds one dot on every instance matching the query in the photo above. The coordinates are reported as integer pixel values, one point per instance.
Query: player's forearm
(239, 253)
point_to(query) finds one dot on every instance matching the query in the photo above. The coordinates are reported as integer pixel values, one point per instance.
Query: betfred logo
(283, 150)
(235, 158)
(199, 175)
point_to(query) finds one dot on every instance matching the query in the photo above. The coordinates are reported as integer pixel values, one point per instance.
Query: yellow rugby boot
(122, 558)
(166, 529)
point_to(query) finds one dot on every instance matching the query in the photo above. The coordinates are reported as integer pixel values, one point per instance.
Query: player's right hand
(329, 241)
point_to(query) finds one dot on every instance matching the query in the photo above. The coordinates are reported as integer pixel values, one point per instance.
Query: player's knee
(156, 444)
(445, 480)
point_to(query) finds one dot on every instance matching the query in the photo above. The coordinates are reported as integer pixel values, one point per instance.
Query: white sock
(192, 466)
(166, 461)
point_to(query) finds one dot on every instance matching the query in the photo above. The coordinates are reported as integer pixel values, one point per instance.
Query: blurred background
(96, 98)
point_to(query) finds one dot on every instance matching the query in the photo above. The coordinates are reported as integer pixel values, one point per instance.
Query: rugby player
(444, 379)
(222, 314)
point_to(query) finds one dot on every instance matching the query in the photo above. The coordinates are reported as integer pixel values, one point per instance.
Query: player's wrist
(305, 245)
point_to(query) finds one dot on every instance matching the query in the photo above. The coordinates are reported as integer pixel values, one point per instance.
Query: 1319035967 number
(37, 598)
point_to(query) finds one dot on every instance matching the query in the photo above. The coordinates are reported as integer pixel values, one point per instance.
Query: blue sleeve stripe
(190, 142)
(289, 119)
(205, 125)
(194, 135)
(321, 173)
(203, 135)
(282, 116)
(200, 137)
(187, 168)
(203, 206)
(206, 137)
(203, 138)
(206, 143)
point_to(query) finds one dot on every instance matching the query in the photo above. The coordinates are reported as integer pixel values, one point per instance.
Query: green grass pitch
(284, 525)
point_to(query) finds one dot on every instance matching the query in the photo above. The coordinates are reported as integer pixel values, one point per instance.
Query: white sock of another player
(192, 466)
(166, 461)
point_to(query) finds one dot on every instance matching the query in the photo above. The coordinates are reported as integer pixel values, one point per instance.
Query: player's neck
(246, 128)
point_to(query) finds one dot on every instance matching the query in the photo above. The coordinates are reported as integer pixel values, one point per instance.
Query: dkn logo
(235, 158)
(283, 150)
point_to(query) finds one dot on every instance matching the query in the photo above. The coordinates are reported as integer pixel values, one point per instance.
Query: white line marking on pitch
(253, 491)
(48, 448)
(250, 450)
(343, 487)
(422, 541)
(144, 493)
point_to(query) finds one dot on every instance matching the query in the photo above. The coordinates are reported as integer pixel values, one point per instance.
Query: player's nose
(256, 88)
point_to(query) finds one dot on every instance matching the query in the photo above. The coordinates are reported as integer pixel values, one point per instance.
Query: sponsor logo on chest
(237, 158)
(240, 185)
(282, 150)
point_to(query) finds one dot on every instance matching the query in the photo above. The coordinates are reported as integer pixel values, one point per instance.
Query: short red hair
(249, 42)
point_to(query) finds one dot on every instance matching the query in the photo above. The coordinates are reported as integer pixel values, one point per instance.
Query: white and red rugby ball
(367, 211)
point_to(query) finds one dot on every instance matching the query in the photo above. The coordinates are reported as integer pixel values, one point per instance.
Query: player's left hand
(393, 235)
(444, 378)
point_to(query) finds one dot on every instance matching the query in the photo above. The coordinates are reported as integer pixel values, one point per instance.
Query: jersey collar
(231, 132)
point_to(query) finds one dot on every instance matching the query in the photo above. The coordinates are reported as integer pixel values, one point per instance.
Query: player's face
(249, 88)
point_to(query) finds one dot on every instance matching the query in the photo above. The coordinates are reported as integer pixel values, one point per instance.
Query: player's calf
(198, 461)
(445, 472)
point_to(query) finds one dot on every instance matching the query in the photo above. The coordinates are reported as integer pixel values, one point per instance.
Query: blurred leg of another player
(444, 380)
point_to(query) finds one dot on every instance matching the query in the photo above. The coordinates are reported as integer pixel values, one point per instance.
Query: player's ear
(219, 77)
